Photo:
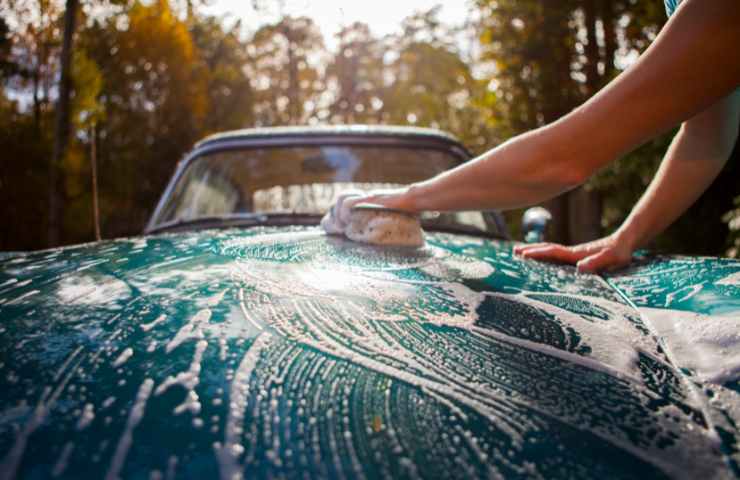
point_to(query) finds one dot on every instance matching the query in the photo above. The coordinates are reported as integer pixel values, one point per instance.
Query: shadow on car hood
(284, 352)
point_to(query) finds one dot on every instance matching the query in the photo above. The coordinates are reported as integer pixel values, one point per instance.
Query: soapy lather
(373, 224)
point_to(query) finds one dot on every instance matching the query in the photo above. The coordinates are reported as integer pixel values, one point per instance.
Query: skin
(687, 76)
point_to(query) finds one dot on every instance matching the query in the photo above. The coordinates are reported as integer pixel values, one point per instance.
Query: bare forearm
(693, 161)
(675, 188)
(690, 66)
(514, 174)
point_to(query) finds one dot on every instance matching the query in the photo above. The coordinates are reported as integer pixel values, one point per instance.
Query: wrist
(628, 236)
(409, 199)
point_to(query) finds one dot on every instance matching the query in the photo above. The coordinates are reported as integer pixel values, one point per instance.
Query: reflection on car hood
(284, 352)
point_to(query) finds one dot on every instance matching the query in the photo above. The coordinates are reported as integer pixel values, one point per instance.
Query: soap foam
(384, 227)
(708, 346)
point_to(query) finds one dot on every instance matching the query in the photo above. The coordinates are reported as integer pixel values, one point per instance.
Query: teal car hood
(283, 352)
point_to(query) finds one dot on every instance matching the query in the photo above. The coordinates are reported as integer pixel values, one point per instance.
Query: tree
(155, 103)
(223, 62)
(7, 66)
(531, 48)
(286, 76)
(61, 135)
(355, 77)
(584, 202)
(430, 85)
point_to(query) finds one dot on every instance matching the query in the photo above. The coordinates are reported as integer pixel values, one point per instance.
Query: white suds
(216, 299)
(134, 417)
(148, 326)
(192, 329)
(123, 357)
(22, 297)
(86, 417)
(228, 453)
(61, 464)
(10, 462)
(707, 345)
(732, 280)
(91, 290)
(381, 227)
(188, 379)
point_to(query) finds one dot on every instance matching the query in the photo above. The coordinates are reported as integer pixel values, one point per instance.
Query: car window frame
(207, 147)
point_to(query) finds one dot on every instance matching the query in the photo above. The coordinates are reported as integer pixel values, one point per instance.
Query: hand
(335, 221)
(398, 199)
(606, 253)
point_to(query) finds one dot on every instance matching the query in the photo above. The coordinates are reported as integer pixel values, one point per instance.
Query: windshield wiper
(238, 220)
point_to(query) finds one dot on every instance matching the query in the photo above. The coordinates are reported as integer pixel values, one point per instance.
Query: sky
(382, 16)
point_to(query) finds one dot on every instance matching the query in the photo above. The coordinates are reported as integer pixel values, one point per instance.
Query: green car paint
(281, 352)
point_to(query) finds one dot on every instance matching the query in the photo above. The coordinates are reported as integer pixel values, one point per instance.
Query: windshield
(303, 180)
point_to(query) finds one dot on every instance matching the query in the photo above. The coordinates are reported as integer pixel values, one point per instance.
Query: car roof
(330, 130)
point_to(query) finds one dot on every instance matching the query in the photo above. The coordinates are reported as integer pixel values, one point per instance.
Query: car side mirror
(534, 224)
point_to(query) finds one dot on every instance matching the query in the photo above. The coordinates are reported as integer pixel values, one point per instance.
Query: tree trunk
(584, 223)
(608, 17)
(584, 206)
(555, 63)
(592, 47)
(61, 137)
(294, 108)
(36, 101)
(94, 165)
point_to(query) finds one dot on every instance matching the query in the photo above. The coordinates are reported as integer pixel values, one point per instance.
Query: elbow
(570, 166)
(569, 175)
(577, 176)
(557, 177)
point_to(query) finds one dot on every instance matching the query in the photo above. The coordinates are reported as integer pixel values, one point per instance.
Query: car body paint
(284, 352)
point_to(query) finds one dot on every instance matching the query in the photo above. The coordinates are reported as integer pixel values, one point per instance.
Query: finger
(590, 248)
(606, 259)
(518, 249)
(344, 204)
(391, 201)
(552, 252)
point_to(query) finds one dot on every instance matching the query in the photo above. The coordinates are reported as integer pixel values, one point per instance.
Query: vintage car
(236, 339)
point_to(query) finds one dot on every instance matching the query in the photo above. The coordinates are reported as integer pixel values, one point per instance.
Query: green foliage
(433, 86)
(87, 84)
(7, 67)
(222, 58)
(531, 48)
(152, 80)
(355, 75)
(25, 153)
(155, 104)
(287, 82)
(624, 181)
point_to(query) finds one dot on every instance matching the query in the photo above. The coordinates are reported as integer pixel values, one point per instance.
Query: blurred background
(113, 93)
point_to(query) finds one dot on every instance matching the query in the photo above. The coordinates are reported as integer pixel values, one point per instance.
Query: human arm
(690, 66)
(696, 156)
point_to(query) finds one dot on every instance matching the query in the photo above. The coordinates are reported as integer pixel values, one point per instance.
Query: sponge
(373, 224)
(378, 225)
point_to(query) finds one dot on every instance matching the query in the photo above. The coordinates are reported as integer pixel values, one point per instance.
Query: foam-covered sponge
(373, 224)
(380, 226)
